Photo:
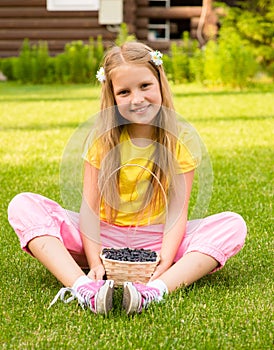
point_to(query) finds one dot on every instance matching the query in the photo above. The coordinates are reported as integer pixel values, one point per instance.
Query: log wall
(20, 19)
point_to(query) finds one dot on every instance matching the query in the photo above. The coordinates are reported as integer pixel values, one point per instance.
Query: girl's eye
(122, 92)
(145, 85)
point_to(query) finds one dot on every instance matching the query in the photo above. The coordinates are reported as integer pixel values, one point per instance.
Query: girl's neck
(141, 135)
(136, 131)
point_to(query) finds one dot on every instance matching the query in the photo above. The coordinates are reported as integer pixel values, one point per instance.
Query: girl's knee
(18, 202)
(26, 208)
(237, 221)
(237, 227)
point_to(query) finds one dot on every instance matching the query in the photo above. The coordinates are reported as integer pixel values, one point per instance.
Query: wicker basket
(127, 271)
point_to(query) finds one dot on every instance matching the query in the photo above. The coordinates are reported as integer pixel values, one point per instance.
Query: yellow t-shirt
(135, 175)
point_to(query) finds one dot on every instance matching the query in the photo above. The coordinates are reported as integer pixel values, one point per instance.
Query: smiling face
(137, 93)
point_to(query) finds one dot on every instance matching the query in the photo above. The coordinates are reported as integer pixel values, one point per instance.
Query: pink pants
(31, 215)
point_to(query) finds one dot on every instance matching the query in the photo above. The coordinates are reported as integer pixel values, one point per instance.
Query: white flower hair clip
(100, 75)
(156, 57)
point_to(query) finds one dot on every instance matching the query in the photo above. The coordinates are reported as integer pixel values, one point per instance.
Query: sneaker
(138, 296)
(95, 295)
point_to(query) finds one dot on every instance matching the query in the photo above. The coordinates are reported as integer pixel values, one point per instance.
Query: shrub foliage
(77, 64)
(231, 60)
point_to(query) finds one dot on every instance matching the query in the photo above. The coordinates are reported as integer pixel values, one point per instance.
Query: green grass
(231, 309)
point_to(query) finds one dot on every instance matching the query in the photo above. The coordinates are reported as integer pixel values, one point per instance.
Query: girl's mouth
(139, 110)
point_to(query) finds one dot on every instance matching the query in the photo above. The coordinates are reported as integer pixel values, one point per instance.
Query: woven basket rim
(102, 256)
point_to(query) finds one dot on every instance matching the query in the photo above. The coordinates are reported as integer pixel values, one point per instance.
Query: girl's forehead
(130, 66)
(131, 71)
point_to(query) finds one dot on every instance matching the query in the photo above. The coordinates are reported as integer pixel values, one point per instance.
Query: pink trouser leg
(42, 225)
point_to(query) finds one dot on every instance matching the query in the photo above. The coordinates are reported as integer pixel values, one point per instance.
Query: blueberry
(128, 254)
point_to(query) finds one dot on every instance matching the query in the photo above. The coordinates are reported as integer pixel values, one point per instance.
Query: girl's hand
(97, 272)
(160, 269)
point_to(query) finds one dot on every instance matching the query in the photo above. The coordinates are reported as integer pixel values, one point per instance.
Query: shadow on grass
(40, 127)
(232, 118)
(75, 125)
(249, 91)
(14, 92)
(39, 98)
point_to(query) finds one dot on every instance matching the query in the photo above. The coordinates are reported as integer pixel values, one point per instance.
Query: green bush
(32, 64)
(7, 67)
(77, 64)
(75, 55)
(180, 61)
(253, 22)
(237, 61)
(23, 66)
(196, 66)
(61, 68)
(123, 35)
(180, 64)
(39, 62)
(95, 56)
(230, 61)
(211, 64)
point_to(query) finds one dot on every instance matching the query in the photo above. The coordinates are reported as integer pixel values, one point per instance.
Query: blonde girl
(139, 167)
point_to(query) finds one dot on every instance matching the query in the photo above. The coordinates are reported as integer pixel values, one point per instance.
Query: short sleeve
(188, 149)
(92, 150)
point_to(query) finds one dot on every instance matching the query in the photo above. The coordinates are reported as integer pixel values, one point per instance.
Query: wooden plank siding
(20, 19)
(176, 12)
(30, 19)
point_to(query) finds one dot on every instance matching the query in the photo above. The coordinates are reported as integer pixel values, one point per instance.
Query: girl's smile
(137, 93)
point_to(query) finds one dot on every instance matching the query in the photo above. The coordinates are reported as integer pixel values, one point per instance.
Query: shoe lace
(148, 294)
(84, 295)
(62, 296)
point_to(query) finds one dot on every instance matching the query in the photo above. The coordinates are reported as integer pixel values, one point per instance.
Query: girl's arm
(175, 226)
(90, 222)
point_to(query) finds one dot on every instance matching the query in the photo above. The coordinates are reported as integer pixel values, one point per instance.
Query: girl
(138, 173)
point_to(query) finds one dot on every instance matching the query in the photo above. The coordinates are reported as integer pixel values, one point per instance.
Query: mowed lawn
(231, 309)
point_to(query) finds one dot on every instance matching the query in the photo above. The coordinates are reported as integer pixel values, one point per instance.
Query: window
(111, 12)
(72, 5)
(159, 29)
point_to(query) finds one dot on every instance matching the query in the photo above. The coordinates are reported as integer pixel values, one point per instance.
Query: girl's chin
(140, 119)
(141, 122)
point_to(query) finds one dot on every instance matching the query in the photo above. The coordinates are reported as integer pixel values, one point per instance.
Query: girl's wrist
(95, 262)
(166, 261)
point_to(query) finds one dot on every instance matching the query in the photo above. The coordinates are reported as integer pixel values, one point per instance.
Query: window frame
(73, 5)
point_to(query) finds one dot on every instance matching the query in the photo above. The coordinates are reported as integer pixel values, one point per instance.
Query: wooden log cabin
(155, 22)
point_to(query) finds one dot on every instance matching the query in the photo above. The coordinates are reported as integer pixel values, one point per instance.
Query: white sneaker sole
(131, 298)
(104, 298)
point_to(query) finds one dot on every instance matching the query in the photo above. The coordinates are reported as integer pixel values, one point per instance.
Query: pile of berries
(127, 254)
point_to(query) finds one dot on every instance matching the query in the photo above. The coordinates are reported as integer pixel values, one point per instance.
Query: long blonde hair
(110, 127)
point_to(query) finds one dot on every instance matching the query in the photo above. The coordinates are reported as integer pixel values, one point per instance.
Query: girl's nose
(137, 97)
